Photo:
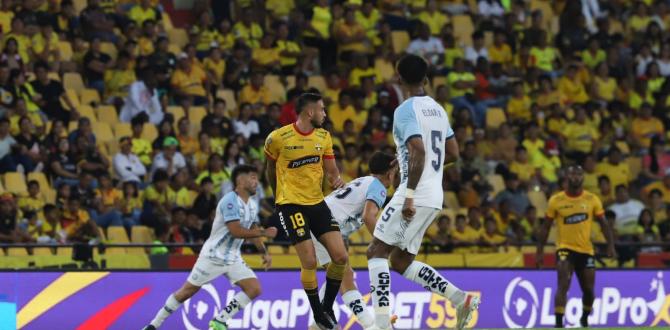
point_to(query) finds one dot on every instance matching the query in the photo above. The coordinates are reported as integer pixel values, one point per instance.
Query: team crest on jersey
(300, 232)
(230, 206)
(318, 147)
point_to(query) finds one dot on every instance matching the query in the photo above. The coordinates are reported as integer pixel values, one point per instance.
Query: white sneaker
(464, 311)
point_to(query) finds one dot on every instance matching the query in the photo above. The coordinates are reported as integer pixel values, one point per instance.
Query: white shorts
(205, 271)
(393, 230)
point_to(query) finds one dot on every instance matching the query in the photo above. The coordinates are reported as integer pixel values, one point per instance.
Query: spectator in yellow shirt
(432, 17)
(580, 136)
(500, 51)
(280, 9)
(77, 222)
(19, 35)
(142, 12)
(247, 30)
(594, 54)
(465, 237)
(548, 163)
(543, 56)
(290, 51)
(255, 93)
(491, 239)
(604, 86)
(339, 112)
(119, 79)
(571, 89)
(518, 107)
(646, 126)
(267, 56)
(205, 34)
(145, 43)
(215, 66)
(45, 45)
(189, 82)
(34, 201)
(615, 169)
(522, 167)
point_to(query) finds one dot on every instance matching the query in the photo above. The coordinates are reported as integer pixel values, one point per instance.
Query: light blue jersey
(221, 246)
(347, 203)
(421, 116)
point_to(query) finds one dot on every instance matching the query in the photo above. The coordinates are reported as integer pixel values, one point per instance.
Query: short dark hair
(380, 162)
(305, 99)
(48, 208)
(41, 65)
(241, 169)
(621, 186)
(33, 183)
(206, 180)
(412, 69)
(160, 175)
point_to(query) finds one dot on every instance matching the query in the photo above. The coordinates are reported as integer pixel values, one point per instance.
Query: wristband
(409, 193)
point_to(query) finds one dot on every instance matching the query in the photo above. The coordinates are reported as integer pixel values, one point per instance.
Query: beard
(316, 123)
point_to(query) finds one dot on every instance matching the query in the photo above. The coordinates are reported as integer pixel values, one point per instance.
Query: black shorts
(299, 220)
(579, 261)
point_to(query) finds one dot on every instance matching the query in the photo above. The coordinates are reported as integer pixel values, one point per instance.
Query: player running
(421, 132)
(573, 210)
(353, 206)
(297, 155)
(236, 220)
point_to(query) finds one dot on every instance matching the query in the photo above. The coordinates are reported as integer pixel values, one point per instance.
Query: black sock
(313, 296)
(584, 320)
(559, 320)
(332, 288)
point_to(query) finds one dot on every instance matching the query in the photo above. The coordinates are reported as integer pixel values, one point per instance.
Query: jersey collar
(295, 127)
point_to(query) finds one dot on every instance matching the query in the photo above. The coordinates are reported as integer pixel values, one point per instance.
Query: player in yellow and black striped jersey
(297, 156)
(574, 211)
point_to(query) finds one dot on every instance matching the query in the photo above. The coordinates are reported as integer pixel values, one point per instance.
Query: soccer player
(353, 206)
(297, 155)
(425, 141)
(236, 220)
(574, 210)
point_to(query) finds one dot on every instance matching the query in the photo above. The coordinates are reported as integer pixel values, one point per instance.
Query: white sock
(380, 287)
(240, 300)
(430, 279)
(171, 305)
(354, 300)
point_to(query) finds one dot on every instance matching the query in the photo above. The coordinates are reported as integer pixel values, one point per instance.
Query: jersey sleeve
(229, 208)
(376, 193)
(272, 146)
(405, 122)
(551, 209)
(598, 209)
(328, 152)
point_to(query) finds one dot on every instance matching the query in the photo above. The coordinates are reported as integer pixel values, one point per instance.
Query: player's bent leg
(380, 281)
(172, 303)
(587, 279)
(307, 256)
(337, 251)
(251, 289)
(353, 299)
(564, 271)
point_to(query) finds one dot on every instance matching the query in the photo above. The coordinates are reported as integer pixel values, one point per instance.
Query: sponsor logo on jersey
(576, 218)
(294, 147)
(304, 161)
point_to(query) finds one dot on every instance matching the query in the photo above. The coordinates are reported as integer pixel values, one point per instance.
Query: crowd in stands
(113, 116)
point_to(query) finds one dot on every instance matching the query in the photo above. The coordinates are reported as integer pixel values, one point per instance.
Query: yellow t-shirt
(6, 20)
(543, 58)
(39, 44)
(265, 56)
(139, 15)
(547, 166)
(574, 218)
(665, 191)
(495, 238)
(591, 60)
(251, 95)
(279, 8)
(451, 54)
(145, 46)
(580, 136)
(143, 149)
(357, 74)
(350, 31)
(30, 203)
(153, 195)
(290, 46)
(533, 147)
(338, 116)
(502, 54)
(190, 83)
(572, 91)
(519, 108)
(183, 197)
(606, 88)
(299, 163)
(205, 38)
(638, 23)
(454, 77)
(435, 20)
(217, 67)
(109, 197)
(618, 174)
(118, 81)
(469, 235)
(75, 221)
(321, 19)
(217, 178)
(251, 35)
(524, 171)
(226, 41)
(644, 130)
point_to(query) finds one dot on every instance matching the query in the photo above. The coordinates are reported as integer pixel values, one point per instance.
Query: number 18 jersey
(421, 116)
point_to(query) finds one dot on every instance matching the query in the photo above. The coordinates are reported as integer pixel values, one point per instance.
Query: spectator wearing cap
(548, 163)
(189, 82)
(645, 127)
(169, 159)
(514, 195)
(127, 165)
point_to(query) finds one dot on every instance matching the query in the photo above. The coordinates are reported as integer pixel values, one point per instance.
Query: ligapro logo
(525, 307)
(200, 309)
(521, 302)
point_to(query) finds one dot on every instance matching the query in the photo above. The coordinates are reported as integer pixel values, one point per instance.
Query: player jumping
(421, 132)
(297, 155)
(236, 220)
(574, 210)
(353, 206)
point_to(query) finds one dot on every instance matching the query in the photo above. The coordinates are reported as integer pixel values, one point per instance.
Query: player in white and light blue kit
(425, 142)
(236, 220)
(353, 206)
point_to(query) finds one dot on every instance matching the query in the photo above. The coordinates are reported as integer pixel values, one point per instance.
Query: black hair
(412, 69)
(241, 169)
(380, 162)
(33, 182)
(160, 175)
(41, 65)
(621, 186)
(206, 180)
(48, 208)
(609, 214)
(305, 99)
